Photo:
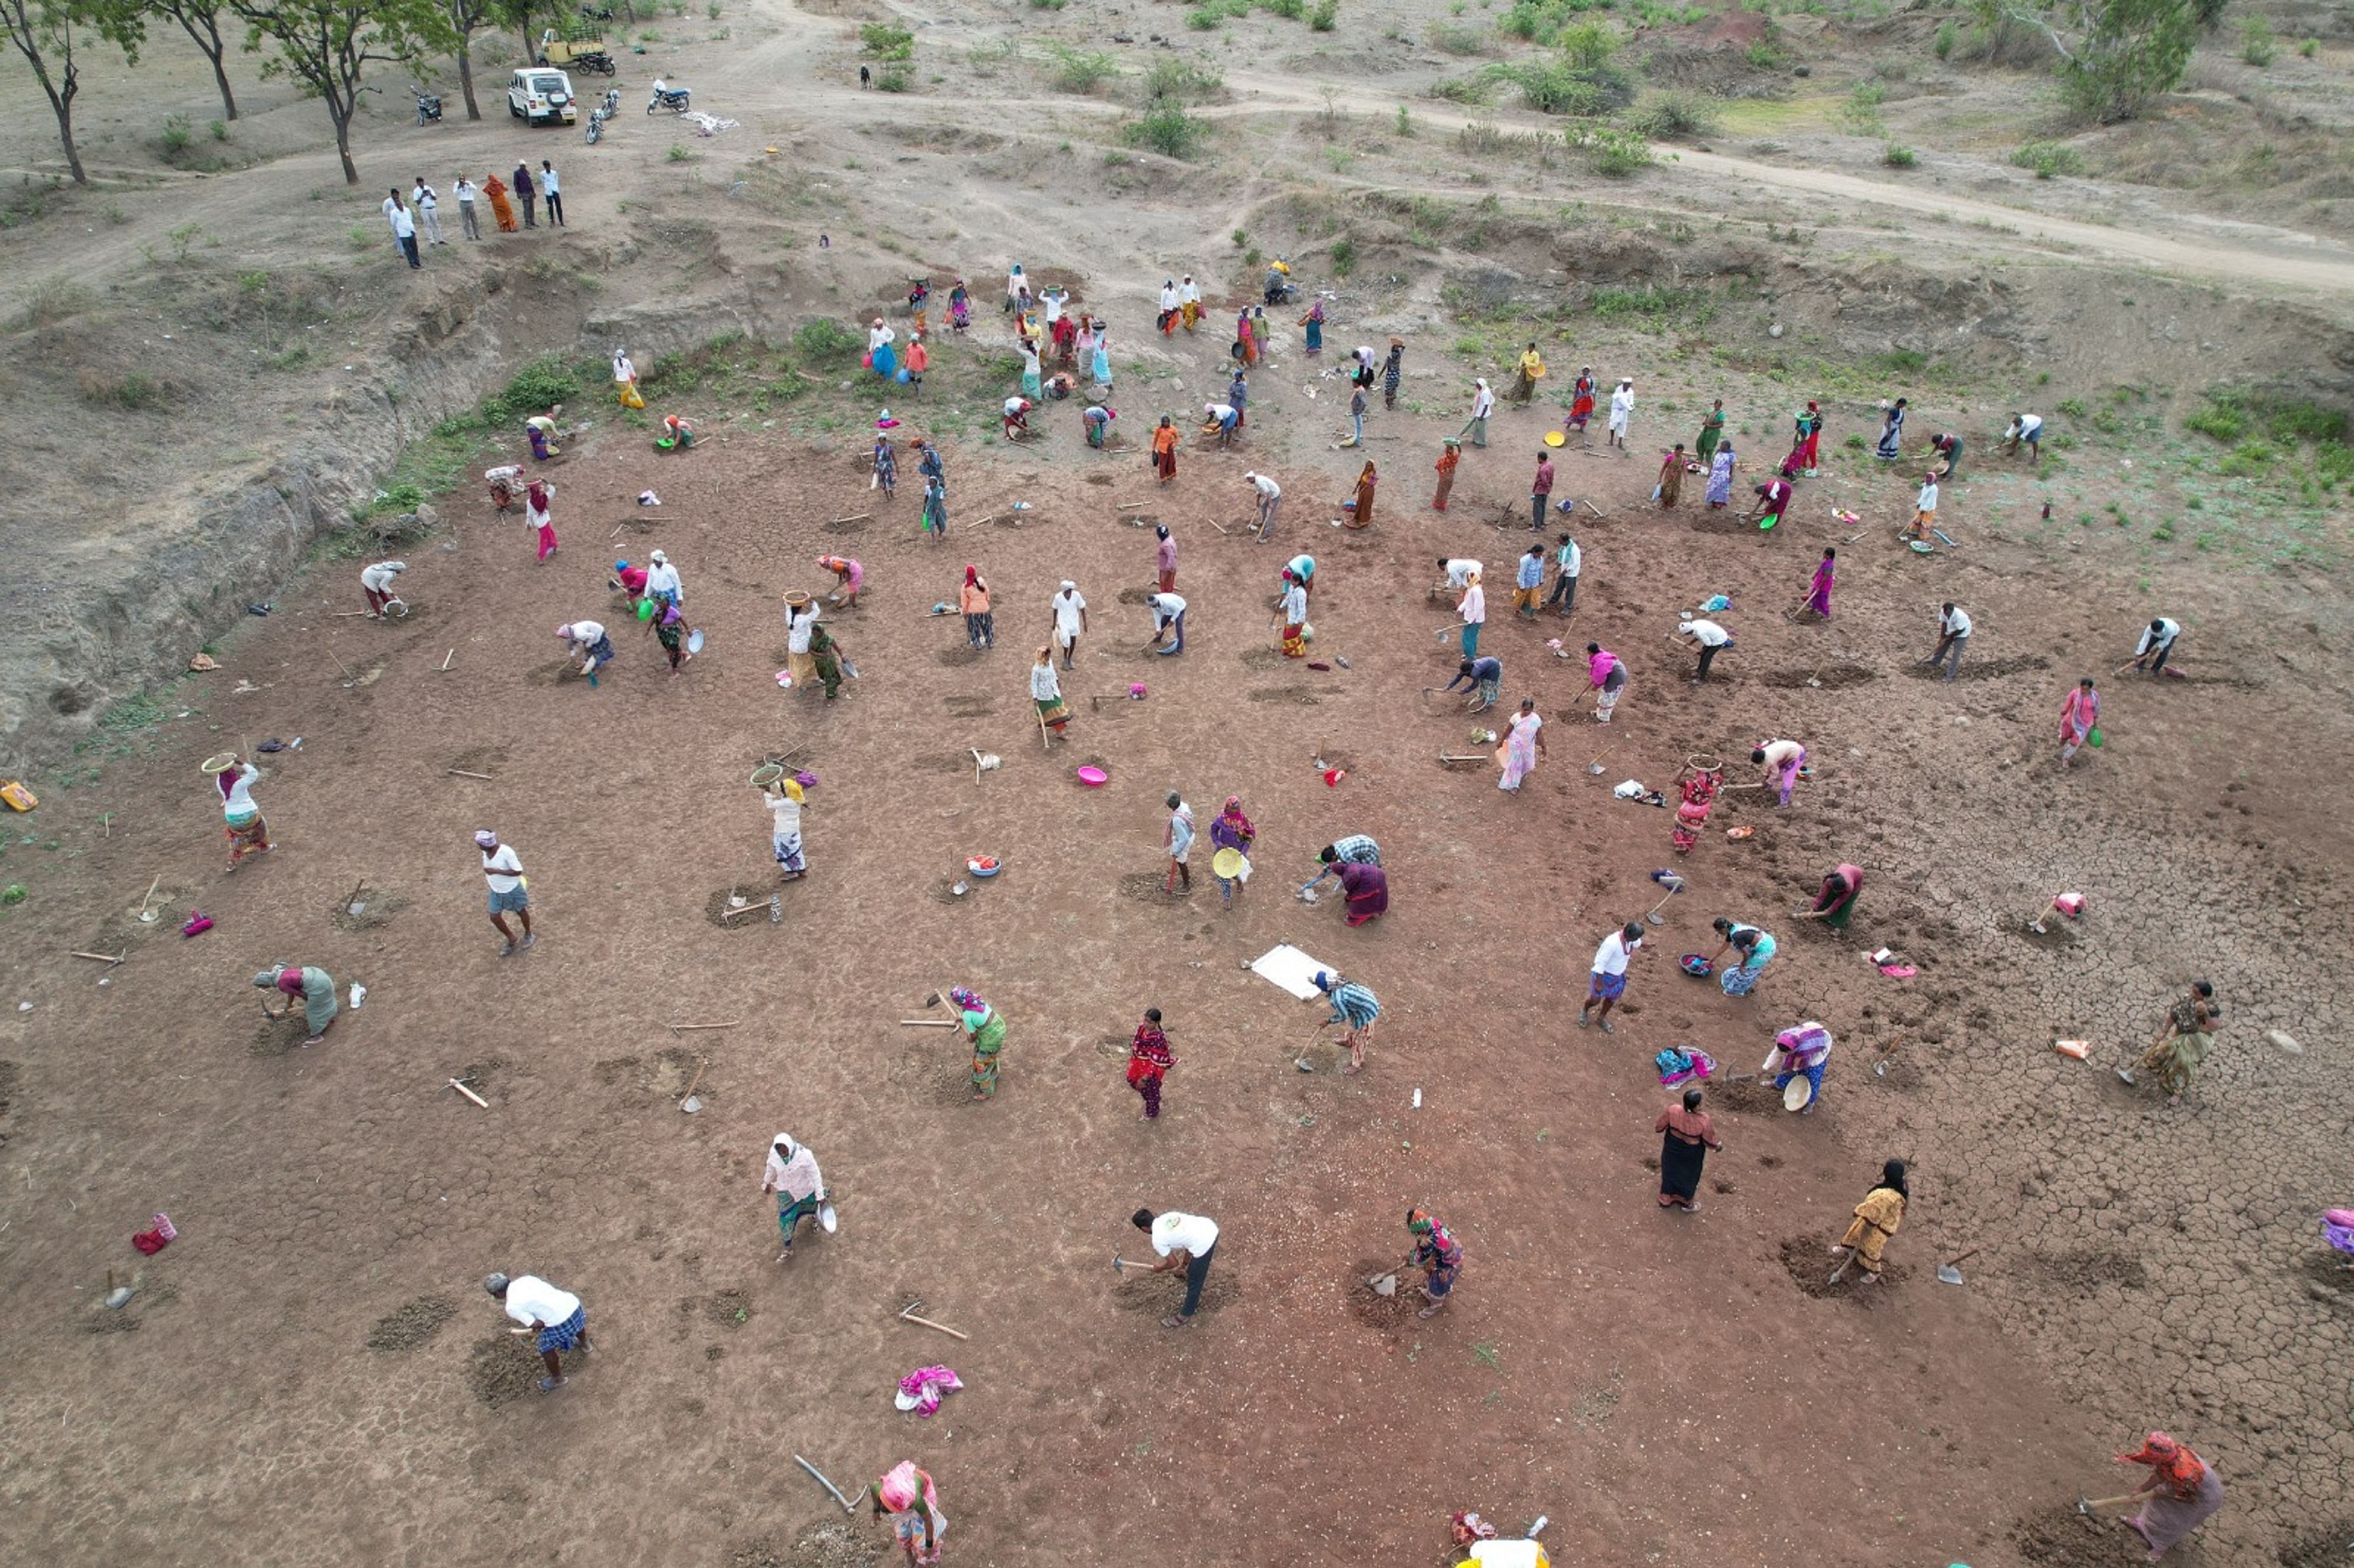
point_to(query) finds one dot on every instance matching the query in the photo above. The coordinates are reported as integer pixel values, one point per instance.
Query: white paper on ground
(1290, 969)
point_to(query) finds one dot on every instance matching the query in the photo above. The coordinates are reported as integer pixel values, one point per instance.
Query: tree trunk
(64, 106)
(343, 119)
(215, 49)
(229, 98)
(466, 80)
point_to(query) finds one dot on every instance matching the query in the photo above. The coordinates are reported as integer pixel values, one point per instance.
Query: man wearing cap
(376, 581)
(662, 580)
(503, 872)
(588, 636)
(1186, 1241)
(1070, 619)
(560, 1321)
(1269, 493)
(1353, 1005)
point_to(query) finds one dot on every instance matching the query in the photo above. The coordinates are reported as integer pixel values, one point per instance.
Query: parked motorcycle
(596, 62)
(671, 98)
(602, 112)
(429, 105)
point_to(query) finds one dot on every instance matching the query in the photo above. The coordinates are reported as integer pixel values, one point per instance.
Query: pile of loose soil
(412, 1325)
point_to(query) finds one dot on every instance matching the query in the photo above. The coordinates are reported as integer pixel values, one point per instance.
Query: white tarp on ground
(1290, 968)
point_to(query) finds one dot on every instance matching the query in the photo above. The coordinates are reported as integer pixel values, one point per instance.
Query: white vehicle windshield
(546, 84)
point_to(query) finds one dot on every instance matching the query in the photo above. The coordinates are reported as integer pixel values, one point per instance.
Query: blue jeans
(1197, 1270)
(1178, 627)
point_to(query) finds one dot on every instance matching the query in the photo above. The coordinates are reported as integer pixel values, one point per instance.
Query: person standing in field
(1177, 838)
(1686, 1135)
(1540, 490)
(427, 203)
(1183, 1241)
(469, 223)
(1670, 488)
(1876, 1219)
(1606, 982)
(2080, 718)
(1451, 457)
(1483, 404)
(1622, 414)
(1149, 1061)
(508, 893)
(1070, 613)
(985, 1027)
(790, 1172)
(784, 801)
(551, 194)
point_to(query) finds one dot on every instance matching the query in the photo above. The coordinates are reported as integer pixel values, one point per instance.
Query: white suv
(537, 95)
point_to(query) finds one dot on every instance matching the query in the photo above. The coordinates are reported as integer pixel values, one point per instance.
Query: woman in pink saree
(1819, 591)
(2080, 715)
(1523, 745)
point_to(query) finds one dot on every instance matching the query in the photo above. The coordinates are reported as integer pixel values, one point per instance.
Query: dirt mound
(1832, 677)
(412, 1325)
(502, 1369)
(1164, 1293)
(375, 908)
(2069, 1540)
(1809, 1263)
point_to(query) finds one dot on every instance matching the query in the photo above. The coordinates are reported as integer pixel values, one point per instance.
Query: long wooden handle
(943, 1328)
(697, 1082)
(829, 1486)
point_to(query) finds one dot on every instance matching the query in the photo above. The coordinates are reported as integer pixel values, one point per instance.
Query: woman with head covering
(1811, 436)
(1581, 398)
(1313, 322)
(1149, 1061)
(1099, 359)
(1451, 457)
(1719, 477)
(959, 307)
(985, 1027)
(1167, 320)
(1246, 345)
(1393, 372)
(800, 618)
(241, 817)
(538, 498)
(501, 207)
(793, 1175)
(1800, 1052)
(1293, 604)
(886, 465)
(907, 1495)
(1686, 1135)
(972, 601)
(1017, 290)
(625, 375)
(881, 357)
(1523, 745)
(1483, 403)
(1361, 510)
(1818, 588)
(785, 799)
(1711, 431)
(1835, 900)
(1526, 374)
(1352, 1006)
(1437, 1254)
(1031, 388)
(1232, 831)
(1366, 888)
(1876, 1219)
(1046, 692)
(1670, 488)
(849, 576)
(2175, 1055)
(2178, 1495)
(314, 986)
(825, 660)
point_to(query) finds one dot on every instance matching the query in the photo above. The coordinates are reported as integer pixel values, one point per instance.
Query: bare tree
(43, 32)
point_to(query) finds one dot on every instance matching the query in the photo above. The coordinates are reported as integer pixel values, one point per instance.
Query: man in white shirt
(1070, 620)
(1708, 637)
(1167, 620)
(1622, 413)
(1608, 982)
(2156, 643)
(1186, 1241)
(1782, 760)
(554, 195)
(1459, 572)
(1269, 492)
(1953, 636)
(376, 581)
(503, 872)
(403, 228)
(467, 224)
(2026, 429)
(556, 1315)
(429, 216)
(1483, 403)
(1222, 415)
(1570, 560)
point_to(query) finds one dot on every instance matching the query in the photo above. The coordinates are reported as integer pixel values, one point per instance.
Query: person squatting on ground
(555, 1317)
(1183, 1241)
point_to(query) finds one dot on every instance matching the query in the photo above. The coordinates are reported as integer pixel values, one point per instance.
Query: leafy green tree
(201, 20)
(2115, 56)
(325, 47)
(43, 32)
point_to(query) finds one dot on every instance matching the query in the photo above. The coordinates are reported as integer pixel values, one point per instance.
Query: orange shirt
(1165, 439)
(973, 598)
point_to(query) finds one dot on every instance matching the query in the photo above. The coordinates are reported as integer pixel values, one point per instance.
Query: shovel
(1674, 884)
(692, 1103)
(1950, 1271)
(1384, 1285)
(2086, 1505)
(1595, 765)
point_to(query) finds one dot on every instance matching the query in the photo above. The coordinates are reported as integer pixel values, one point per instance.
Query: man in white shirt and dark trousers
(1954, 635)
(403, 228)
(1186, 1241)
(503, 872)
(552, 193)
(556, 1315)
(1571, 560)
(2156, 643)
(429, 211)
(467, 224)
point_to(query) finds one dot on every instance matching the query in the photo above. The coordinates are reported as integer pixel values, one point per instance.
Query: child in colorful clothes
(1438, 1254)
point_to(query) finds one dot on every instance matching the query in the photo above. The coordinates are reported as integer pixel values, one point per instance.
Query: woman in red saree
(1361, 510)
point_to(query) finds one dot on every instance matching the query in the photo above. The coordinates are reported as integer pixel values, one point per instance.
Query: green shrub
(1609, 150)
(1180, 81)
(1344, 257)
(1897, 156)
(894, 78)
(2073, 407)
(827, 341)
(2297, 421)
(1448, 38)
(2133, 52)
(1475, 90)
(216, 129)
(1669, 115)
(1763, 56)
(1327, 13)
(1948, 35)
(2256, 41)
(1289, 10)
(1652, 302)
(1857, 444)
(1082, 71)
(680, 154)
(537, 388)
(1860, 112)
(1165, 128)
(885, 42)
(2049, 158)
(2310, 48)
(1552, 87)
(1048, 5)
(175, 136)
(131, 390)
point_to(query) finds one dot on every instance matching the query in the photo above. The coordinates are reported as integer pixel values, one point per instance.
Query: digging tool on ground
(109, 960)
(908, 1314)
(459, 1085)
(2086, 1505)
(146, 919)
(1595, 765)
(462, 773)
(690, 1102)
(1383, 1285)
(829, 1486)
(1674, 884)
(1950, 1271)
